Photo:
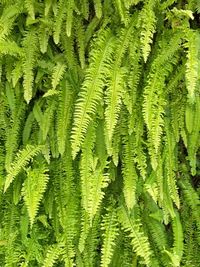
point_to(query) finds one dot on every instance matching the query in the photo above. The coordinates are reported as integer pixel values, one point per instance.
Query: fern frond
(90, 254)
(192, 198)
(59, 18)
(192, 65)
(171, 163)
(8, 47)
(17, 72)
(98, 8)
(29, 51)
(101, 58)
(44, 33)
(33, 189)
(85, 8)
(99, 181)
(80, 32)
(193, 138)
(178, 237)
(177, 253)
(109, 226)
(22, 159)
(64, 114)
(139, 241)
(148, 25)
(154, 98)
(8, 17)
(121, 10)
(129, 173)
(29, 4)
(52, 255)
(85, 228)
(13, 133)
(57, 74)
(115, 88)
(69, 15)
(48, 119)
(86, 167)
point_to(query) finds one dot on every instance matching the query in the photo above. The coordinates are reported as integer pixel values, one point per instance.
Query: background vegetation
(99, 133)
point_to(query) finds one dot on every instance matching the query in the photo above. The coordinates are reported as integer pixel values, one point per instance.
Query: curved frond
(109, 226)
(21, 160)
(91, 92)
(33, 189)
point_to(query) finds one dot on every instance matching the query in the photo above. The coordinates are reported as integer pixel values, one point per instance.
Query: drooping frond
(29, 4)
(52, 255)
(69, 15)
(66, 97)
(177, 253)
(148, 24)
(109, 226)
(29, 54)
(154, 101)
(116, 81)
(33, 189)
(22, 159)
(60, 15)
(129, 172)
(101, 58)
(98, 8)
(58, 73)
(192, 65)
(138, 239)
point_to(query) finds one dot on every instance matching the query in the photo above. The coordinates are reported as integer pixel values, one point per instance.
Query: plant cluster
(99, 133)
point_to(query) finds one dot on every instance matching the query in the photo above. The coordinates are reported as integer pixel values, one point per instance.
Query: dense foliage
(99, 133)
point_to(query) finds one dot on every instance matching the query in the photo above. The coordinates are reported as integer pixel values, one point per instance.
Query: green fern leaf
(59, 18)
(69, 15)
(129, 173)
(52, 255)
(64, 114)
(109, 226)
(178, 237)
(8, 47)
(29, 4)
(139, 241)
(101, 58)
(192, 65)
(58, 73)
(30, 48)
(22, 159)
(148, 21)
(98, 8)
(33, 189)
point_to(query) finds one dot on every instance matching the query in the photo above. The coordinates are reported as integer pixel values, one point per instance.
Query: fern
(29, 4)
(52, 255)
(58, 72)
(33, 189)
(29, 53)
(22, 159)
(69, 14)
(148, 21)
(99, 133)
(64, 114)
(129, 173)
(192, 65)
(109, 225)
(117, 81)
(92, 88)
(138, 239)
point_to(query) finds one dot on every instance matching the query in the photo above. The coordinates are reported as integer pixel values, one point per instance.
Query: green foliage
(99, 133)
